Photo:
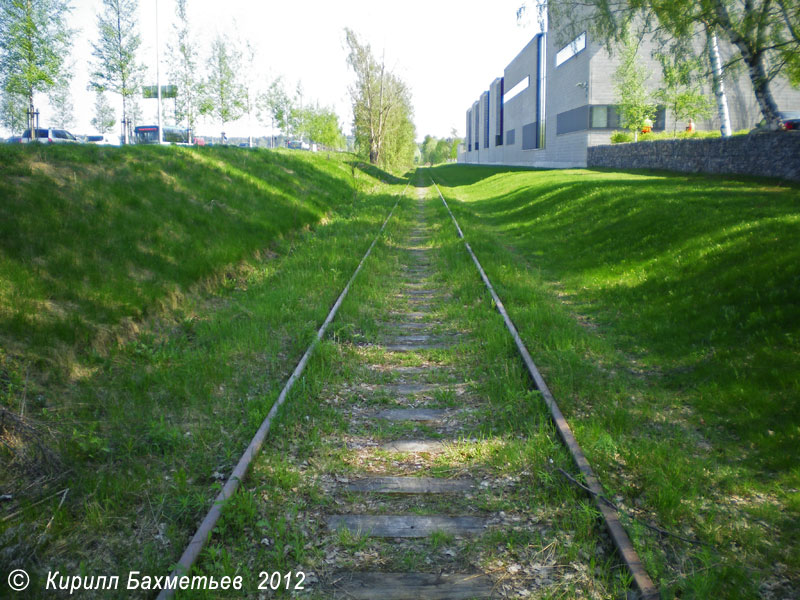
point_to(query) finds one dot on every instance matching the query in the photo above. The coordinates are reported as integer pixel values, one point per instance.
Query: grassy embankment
(152, 302)
(663, 311)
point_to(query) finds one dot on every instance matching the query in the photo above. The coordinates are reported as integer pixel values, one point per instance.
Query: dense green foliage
(224, 95)
(34, 43)
(104, 118)
(117, 68)
(764, 33)
(619, 137)
(681, 91)
(434, 150)
(636, 109)
(672, 344)
(182, 57)
(383, 123)
(321, 124)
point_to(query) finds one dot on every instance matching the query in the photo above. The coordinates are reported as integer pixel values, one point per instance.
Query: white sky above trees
(447, 51)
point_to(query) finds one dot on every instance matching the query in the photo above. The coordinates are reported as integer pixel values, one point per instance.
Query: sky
(447, 51)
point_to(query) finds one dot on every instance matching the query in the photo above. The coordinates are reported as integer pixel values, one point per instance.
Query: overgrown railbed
(543, 537)
(663, 312)
(152, 302)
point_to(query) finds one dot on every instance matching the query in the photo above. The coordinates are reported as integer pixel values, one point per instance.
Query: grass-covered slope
(90, 236)
(665, 312)
(152, 303)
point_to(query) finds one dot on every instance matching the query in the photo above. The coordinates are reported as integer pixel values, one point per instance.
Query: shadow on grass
(188, 392)
(376, 172)
(696, 277)
(457, 175)
(90, 236)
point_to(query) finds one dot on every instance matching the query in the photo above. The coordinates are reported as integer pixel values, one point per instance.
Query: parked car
(103, 140)
(16, 139)
(298, 145)
(50, 136)
(789, 121)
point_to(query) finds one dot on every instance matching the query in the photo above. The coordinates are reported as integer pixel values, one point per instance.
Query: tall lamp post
(158, 83)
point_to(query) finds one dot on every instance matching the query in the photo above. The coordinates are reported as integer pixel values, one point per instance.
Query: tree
(116, 69)
(756, 33)
(13, 109)
(249, 92)
(765, 33)
(454, 144)
(442, 152)
(224, 94)
(274, 106)
(791, 15)
(297, 114)
(635, 107)
(680, 92)
(434, 151)
(382, 109)
(34, 42)
(427, 149)
(322, 125)
(60, 97)
(400, 148)
(183, 69)
(718, 83)
(104, 118)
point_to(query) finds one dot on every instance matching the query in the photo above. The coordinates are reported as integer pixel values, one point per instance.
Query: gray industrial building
(552, 103)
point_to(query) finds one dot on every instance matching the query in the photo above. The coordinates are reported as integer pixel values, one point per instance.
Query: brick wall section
(766, 154)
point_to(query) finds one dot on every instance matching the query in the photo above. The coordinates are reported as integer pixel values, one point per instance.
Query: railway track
(418, 463)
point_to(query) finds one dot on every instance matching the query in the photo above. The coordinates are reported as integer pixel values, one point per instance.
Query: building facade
(555, 101)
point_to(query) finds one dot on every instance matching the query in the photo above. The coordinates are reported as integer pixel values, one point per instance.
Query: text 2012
(276, 580)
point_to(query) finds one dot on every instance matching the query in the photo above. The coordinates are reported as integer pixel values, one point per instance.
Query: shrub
(621, 137)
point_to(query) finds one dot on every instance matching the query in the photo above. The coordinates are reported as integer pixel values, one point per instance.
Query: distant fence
(765, 154)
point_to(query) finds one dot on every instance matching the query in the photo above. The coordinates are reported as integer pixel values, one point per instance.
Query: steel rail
(645, 585)
(205, 528)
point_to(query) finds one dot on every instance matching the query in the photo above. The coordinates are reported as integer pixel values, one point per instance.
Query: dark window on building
(576, 119)
(486, 122)
(599, 119)
(476, 136)
(606, 116)
(530, 138)
(498, 138)
(660, 122)
(510, 137)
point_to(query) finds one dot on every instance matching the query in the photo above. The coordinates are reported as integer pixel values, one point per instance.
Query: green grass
(508, 443)
(92, 237)
(663, 311)
(142, 427)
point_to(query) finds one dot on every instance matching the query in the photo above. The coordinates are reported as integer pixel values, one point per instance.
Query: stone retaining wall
(765, 154)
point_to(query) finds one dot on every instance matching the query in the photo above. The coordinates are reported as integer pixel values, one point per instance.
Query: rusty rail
(205, 528)
(645, 585)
